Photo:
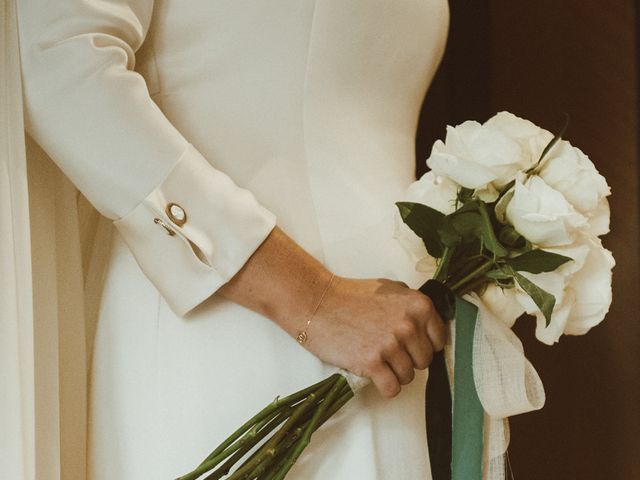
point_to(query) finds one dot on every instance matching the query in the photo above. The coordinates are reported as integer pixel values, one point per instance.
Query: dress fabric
(313, 107)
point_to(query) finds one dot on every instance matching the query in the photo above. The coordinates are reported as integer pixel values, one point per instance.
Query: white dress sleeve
(189, 226)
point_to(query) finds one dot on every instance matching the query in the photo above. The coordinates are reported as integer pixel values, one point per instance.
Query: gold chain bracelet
(302, 334)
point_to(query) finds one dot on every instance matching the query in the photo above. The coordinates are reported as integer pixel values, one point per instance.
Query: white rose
(502, 303)
(414, 247)
(558, 284)
(532, 138)
(599, 219)
(554, 283)
(592, 287)
(568, 170)
(435, 191)
(541, 214)
(582, 289)
(478, 157)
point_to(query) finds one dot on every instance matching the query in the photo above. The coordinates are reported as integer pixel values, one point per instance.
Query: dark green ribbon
(468, 414)
(454, 435)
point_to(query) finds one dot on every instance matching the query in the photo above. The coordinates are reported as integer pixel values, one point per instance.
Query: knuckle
(373, 362)
(392, 345)
(422, 304)
(406, 329)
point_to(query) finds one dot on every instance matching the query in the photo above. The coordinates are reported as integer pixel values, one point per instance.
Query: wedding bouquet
(506, 222)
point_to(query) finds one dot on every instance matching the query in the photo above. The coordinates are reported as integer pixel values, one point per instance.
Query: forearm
(281, 281)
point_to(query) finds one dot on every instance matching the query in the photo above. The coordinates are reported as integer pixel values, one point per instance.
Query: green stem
(302, 443)
(268, 450)
(225, 468)
(472, 286)
(278, 404)
(468, 264)
(477, 272)
(441, 271)
(265, 412)
(344, 396)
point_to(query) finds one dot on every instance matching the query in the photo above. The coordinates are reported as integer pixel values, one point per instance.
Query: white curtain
(53, 246)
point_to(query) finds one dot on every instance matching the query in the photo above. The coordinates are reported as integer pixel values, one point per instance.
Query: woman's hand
(376, 328)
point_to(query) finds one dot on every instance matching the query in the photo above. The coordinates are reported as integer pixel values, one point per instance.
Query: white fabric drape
(50, 276)
(17, 459)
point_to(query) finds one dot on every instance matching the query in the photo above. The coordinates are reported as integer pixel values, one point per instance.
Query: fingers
(425, 313)
(420, 350)
(402, 365)
(437, 332)
(412, 336)
(384, 378)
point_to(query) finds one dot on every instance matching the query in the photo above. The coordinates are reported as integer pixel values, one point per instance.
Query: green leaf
(543, 299)
(498, 274)
(469, 224)
(460, 227)
(537, 261)
(449, 236)
(424, 221)
(489, 238)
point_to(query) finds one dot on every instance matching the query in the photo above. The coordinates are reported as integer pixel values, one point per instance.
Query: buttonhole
(199, 253)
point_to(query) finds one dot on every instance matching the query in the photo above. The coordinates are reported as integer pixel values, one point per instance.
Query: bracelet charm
(302, 335)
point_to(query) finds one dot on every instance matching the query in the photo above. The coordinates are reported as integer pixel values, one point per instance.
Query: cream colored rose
(502, 303)
(582, 289)
(476, 156)
(414, 247)
(555, 284)
(541, 214)
(532, 138)
(437, 192)
(592, 287)
(568, 170)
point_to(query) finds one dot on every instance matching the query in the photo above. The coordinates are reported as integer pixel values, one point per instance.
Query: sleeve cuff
(194, 231)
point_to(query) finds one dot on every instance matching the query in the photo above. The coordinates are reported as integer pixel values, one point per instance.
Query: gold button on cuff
(176, 214)
(164, 225)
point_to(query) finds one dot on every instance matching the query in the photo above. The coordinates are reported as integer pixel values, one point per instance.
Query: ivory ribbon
(506, 382)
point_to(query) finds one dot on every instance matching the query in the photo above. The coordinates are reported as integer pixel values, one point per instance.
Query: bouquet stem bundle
(290, 420)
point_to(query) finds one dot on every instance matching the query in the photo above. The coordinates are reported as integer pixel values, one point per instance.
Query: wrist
(298, 305)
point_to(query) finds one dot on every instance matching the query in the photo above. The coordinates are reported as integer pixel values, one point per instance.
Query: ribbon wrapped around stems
(505, 382)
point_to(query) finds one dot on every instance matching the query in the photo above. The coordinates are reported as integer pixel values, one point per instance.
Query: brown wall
(538, 60)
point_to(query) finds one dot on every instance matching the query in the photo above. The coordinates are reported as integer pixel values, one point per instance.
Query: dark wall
(538, 60)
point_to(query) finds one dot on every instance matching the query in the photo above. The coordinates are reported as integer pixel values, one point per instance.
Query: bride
(249, 155)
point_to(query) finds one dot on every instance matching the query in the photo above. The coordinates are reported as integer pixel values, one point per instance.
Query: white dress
(247, 114)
